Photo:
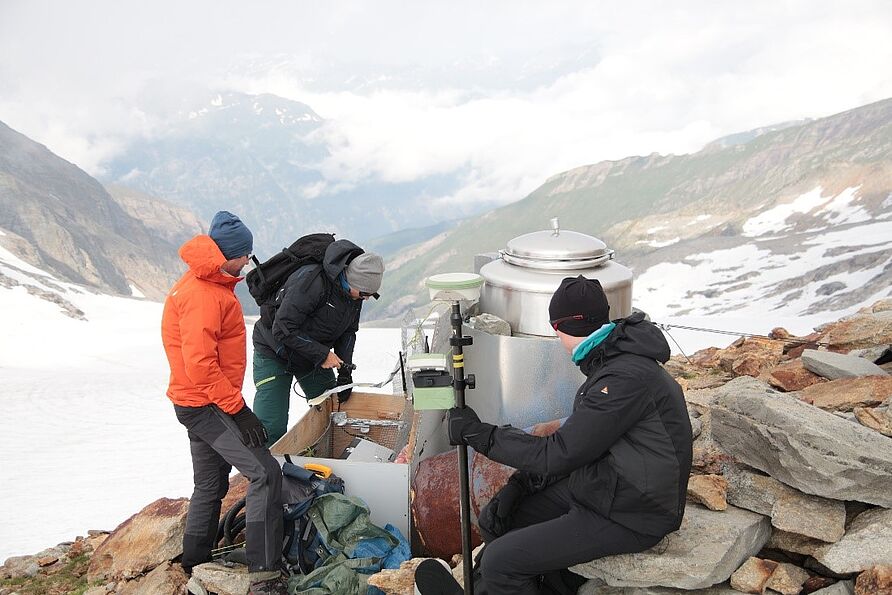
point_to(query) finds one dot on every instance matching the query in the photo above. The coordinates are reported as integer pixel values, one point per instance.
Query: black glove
(253, 432)
(344, 378)
(464, 427)
(495, 518)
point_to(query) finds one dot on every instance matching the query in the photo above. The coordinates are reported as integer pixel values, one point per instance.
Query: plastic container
(454, 286)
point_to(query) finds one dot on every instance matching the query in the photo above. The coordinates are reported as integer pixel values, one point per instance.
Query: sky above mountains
(506, 93)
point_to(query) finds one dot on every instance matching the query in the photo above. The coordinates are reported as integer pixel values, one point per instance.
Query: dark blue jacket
(627, 446)
(314, 314)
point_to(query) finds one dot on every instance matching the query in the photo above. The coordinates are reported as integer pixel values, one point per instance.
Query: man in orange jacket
(203, 330)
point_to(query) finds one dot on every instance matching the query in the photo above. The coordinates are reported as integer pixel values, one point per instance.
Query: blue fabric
(592, 341)
(391, 556)
(343, 279)
(231, 235)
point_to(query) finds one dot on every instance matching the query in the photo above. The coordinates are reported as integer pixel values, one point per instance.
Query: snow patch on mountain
(834, 210)
(754, 287)
(659, 243)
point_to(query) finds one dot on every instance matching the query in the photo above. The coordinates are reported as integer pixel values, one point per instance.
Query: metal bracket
(462, 341)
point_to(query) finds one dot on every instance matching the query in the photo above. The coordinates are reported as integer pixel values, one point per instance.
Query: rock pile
(792, 486)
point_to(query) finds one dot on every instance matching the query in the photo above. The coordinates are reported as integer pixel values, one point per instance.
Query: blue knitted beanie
(231, 235)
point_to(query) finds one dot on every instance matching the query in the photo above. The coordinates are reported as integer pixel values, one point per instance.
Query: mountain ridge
(624, 201)
(62, 220)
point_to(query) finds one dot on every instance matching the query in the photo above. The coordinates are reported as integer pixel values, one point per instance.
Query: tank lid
(556, 246)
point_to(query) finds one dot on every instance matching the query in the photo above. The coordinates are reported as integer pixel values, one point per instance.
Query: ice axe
(455, 287)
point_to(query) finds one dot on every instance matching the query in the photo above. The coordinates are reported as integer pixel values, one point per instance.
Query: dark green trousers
(272, 383)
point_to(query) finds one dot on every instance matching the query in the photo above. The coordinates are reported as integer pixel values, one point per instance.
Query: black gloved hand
(464, 427)
(253, 432)
(495, 518)
(344, 378)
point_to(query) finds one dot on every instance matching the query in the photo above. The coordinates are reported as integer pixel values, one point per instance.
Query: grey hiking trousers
(217, 447)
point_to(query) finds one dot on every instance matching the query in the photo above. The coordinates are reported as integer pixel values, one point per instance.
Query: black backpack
(265, 280)
(303, 549)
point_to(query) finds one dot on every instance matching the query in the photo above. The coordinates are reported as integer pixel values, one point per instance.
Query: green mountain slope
(624, 201)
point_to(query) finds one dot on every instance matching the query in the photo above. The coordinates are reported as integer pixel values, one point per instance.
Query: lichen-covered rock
(751, 356)
(223, 580)
(705, 551)
(150, 537)
(399, 581)
(753, 575)
(867, 328)
(874, 581)
(875, 418)
(847, 393)
(787, 579)
(809, 449)
(708, 490)
(791, 376)
(166, 578)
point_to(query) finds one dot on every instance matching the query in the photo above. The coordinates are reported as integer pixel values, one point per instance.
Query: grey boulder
(809, 449)
(593, 588)
(705, 551)
(833, 365)
(867, 542)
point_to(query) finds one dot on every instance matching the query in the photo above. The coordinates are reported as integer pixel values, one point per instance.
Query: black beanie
(579, 296)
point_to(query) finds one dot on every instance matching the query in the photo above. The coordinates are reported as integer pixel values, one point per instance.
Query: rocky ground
(791, 490)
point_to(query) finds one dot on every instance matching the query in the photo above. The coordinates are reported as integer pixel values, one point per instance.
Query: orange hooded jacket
(203, 331)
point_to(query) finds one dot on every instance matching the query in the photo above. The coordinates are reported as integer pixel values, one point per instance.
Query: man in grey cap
(313, 332)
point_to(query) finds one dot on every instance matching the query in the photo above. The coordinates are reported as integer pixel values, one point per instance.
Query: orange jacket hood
(204, 259)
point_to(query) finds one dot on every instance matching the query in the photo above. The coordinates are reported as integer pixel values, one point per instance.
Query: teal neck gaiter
(590, 342)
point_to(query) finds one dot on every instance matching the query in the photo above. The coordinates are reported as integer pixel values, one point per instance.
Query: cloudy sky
(509, 93)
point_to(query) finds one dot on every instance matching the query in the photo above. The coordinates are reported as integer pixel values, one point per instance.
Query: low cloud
(503, 100)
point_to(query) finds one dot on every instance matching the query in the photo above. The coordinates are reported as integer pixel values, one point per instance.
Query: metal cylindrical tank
(519, 284)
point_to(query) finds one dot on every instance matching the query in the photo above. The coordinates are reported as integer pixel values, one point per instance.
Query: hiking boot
(433, 577)
(273, 586)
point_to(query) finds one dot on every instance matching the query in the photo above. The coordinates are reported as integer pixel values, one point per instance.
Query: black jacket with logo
(627, 446)
(314, 314)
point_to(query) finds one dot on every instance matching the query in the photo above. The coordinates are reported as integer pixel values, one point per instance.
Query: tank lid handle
(555, 226)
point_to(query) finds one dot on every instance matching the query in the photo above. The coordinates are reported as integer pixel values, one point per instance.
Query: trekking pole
(458, 341)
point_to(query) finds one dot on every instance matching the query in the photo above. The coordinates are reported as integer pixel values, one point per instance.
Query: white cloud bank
(507, 93)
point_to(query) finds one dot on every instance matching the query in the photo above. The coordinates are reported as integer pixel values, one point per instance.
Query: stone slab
(811, 450)
(705, 551)
(833, 365)
(867, 543)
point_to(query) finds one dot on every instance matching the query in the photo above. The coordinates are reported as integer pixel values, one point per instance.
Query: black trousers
(216, 445)
(550, 533)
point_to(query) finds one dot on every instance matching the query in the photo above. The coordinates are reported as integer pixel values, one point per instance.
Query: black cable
(229, 521)
(237, 527)
(403, 373)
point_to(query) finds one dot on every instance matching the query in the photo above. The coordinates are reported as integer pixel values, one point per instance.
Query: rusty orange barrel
(435, 496)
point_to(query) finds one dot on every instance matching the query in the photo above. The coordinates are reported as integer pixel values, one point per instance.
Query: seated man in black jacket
(313, 332)
(612, 479)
